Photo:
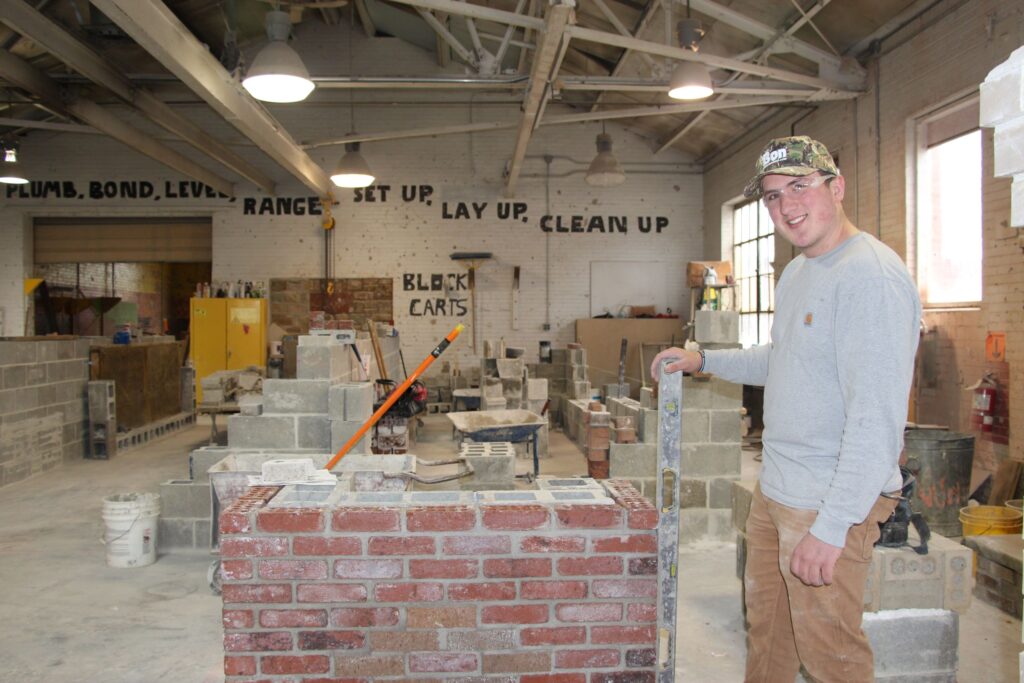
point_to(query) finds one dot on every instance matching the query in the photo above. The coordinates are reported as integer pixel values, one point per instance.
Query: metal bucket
(941, 461)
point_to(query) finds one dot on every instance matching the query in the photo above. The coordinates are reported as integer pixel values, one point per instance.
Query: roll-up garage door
(123, 240)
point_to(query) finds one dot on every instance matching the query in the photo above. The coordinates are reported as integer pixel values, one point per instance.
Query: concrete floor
(68, 618)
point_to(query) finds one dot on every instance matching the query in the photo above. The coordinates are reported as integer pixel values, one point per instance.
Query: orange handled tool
(395, 395)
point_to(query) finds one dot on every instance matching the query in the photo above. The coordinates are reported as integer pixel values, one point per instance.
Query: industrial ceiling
(64, 62)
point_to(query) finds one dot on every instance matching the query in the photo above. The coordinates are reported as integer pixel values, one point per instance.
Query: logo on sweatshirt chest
(808, 319)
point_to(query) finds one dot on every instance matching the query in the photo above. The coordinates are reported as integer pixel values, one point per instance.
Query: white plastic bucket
(131, 520)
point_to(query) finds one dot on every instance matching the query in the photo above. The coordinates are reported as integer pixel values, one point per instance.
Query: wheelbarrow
(486, 426)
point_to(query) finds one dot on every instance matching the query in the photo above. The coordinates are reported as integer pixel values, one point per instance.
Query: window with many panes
(949, 210)
(753, 252)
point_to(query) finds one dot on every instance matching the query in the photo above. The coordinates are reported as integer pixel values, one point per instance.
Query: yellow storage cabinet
(226, 334)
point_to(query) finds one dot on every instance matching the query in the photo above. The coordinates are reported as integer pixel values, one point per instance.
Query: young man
(837, 374)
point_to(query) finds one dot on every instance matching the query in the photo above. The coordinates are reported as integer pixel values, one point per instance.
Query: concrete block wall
(43, 411)
(999, 570)
(461, 592)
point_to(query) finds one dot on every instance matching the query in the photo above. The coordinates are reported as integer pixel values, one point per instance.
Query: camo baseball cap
(798, 155)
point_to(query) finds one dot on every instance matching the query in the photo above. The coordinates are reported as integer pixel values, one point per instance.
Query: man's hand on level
(813, 561)
(687, 361)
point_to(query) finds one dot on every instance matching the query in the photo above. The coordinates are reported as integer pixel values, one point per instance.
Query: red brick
(553, 590)
(598, 454)
(586, 659)
(237, 618)
(589, 612)
(440, 617)
(290, 520)
(293, 569)
(598, 437)
(444, 569)
(320, 545)
(366, 519)
(514, 614)
(589, 516)
(437, 661)
(292, 618)
(589, 566)
(235, 570)
(517, 662)
(559, 635)
(642, 566)
(368, 569)
(621, 634)
(496, 590)
(441, 518)
(399, 641)
(330, 592)
(391, 665)
(477, 545)
(331, 640)
(239, 666)
(307, 664)
(643, 518)
(248, 592)
(401, 545)
(641, 612)
(617, 588)
(554, 678)
(552, 544)
(515, 517)
(641, 657)
(364, 617)
(234, 523)
(243, 546)
(408, 592)
(257, 642)
(335, 680)
(637, 543)
(517, 568)
(623, 677)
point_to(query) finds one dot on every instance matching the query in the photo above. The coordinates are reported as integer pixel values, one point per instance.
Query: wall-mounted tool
(472, 260)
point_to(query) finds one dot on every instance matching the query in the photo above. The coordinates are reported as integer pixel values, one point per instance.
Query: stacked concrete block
(710, 451)
(999, 570)
(349, 406)
(492, 394)
(536, 394)
(439, 386)
(636, 463)
(624, 430)
(576, 374)
(493, 466)
(42, 401)
(914, 645)
(185, 513)
(716, 327)
(511, 372)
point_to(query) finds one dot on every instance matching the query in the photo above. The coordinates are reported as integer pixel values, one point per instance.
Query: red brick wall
(532, 593)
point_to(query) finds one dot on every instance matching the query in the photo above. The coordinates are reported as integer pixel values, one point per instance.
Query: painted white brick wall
(395, 237)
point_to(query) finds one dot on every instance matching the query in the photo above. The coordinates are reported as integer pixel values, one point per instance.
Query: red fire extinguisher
(983, 404)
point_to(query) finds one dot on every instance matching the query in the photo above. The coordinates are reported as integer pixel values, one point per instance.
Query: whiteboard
(614, 284)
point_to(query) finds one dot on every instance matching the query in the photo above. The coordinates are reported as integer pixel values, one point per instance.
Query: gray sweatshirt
(837, 376)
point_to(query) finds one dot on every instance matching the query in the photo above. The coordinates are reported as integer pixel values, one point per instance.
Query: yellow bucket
(990, 520)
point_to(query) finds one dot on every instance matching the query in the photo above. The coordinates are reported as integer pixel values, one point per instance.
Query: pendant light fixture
(605, 170)
(278, 74)
(352, 170)
(691, 80)
(11, 172)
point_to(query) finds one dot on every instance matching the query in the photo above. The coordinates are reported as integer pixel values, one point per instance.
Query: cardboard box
(695, 271)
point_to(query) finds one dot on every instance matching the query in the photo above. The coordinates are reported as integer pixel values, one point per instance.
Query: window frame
(764, 300)
(917, 131)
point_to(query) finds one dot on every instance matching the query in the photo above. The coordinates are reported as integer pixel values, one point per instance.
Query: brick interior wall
(358, 299)
(43, 415)
(531, 593)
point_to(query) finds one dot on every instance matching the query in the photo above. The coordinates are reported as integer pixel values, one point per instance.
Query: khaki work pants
(791, 623)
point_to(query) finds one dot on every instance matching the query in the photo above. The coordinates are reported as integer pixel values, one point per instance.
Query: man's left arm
(876, 330)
